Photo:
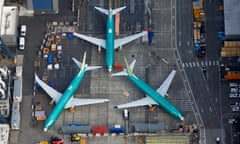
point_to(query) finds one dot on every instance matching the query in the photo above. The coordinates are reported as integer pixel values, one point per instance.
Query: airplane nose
(45, 129)
(109, 69)
(182, 118)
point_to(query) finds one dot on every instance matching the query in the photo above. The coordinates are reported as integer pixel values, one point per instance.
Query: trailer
(17, 90)
(148, 127)
(117, 129)
(84, 129)
(117, 24)
(15, 117)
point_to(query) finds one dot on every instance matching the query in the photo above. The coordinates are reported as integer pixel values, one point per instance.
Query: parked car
(233, 84)
(21, 43)
(23, 30)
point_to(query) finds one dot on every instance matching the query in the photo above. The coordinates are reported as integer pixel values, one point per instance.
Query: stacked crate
(231, 49)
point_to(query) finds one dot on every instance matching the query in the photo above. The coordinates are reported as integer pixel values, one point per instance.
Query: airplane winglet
(129, 70)
(83, 61)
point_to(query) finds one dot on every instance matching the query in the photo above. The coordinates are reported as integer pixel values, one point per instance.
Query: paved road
(206, 87)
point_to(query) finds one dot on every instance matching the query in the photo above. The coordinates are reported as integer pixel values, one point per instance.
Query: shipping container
(117, 24)
(148, 127)
(99, 130)
(232, 75)
(117, 129)
(17, 90)
(15, 116)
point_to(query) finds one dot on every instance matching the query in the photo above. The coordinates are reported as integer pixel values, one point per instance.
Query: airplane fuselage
(67, 95)
(160, 100)
(110, 42)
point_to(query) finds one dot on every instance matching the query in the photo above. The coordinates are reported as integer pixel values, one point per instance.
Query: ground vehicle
(125, 114)
(75, 137)
(21, 43)
(57, 140)
(43, 142)
(233, 85)
(23, 30)
(217, 140)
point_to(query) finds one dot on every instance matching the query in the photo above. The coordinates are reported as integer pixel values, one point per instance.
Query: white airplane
(66, 100)
(110, 44)
(148, 100)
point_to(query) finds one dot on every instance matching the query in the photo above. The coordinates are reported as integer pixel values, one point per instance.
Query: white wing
(80, 102)
(96, 41)
(146, 101)
(54, 94)
(162, 90)
(122, 41)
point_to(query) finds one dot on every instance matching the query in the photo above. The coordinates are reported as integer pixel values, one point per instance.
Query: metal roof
(9, 20)
(232, 18)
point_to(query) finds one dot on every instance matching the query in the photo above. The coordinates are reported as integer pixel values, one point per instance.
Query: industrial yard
(46, 46)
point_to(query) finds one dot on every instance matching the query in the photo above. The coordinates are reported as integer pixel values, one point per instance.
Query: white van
(23, 30)
(21, 43)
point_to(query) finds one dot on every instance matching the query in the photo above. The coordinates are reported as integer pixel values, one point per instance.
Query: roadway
(154, 62)
(206, 87)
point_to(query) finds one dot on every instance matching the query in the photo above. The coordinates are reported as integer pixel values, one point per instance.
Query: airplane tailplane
(121, 73)
(117, 10)
(106, 12)
(81, 65)
(127, 71)
(93, 68)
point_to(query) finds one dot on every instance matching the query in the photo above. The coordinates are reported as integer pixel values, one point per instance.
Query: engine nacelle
(120, 47)
(99, 49)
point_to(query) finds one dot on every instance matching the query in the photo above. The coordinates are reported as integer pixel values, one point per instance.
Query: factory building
(42, 6)
(8, 24)
(232, 19)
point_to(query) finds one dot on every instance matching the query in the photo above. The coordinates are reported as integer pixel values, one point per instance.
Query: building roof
(42, 4)
(9, 20)
(232, 18)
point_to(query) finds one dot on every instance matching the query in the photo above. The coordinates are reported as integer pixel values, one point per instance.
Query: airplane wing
(54, 94)
(79, 102)
(146, 101)
(96, 41)
(162, 90)
(122, 41)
